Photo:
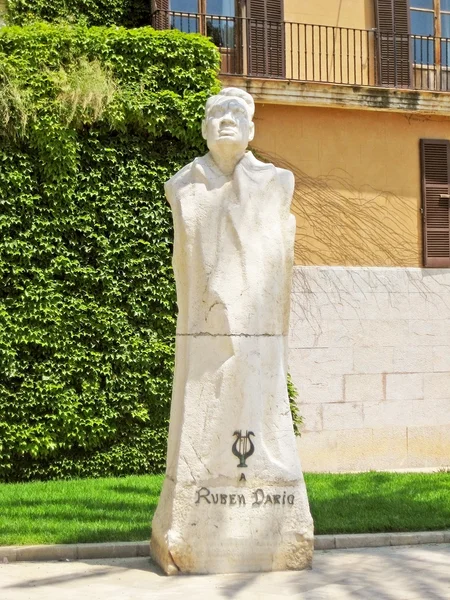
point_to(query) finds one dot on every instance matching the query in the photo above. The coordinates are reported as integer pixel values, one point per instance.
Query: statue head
(228, 123)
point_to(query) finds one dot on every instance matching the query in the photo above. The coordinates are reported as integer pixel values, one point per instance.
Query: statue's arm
(169, 191)
(174, 184)
(287, 181)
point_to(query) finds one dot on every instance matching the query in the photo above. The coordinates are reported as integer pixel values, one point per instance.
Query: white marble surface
(233, 256)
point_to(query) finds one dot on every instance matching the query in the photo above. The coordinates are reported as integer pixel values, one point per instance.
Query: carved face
(227, 124)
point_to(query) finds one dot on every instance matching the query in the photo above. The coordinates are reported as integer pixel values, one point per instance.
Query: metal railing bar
(319, 53)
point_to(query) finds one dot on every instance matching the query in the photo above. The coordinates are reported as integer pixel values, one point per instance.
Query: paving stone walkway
(393, 573)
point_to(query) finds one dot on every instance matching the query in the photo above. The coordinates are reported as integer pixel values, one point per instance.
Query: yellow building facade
(337, 13)
(358, 195)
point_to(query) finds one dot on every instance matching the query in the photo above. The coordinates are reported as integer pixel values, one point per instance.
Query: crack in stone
(173, 562)
(245, 335)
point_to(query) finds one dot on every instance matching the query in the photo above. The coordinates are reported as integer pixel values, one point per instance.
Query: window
(221, 30)
(430, 27)
(190, 17)
(422, 29)
(185, 20)
(435, 167)
(445, 32)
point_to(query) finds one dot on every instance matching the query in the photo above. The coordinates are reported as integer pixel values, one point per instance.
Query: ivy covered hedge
(92, 122)
(128, 13)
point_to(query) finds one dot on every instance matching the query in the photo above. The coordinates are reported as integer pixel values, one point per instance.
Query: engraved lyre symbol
(243, 447)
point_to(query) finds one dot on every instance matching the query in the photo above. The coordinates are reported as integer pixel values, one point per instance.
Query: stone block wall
(370, 356)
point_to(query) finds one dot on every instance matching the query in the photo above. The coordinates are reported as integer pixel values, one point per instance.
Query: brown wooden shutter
(265, 38)
(393, 43)
(161, 18)
(435, 163)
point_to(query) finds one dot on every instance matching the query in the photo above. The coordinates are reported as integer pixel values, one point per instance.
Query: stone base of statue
(242, 529)
(234, 497)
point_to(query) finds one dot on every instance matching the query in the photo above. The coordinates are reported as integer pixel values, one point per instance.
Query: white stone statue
(234, 497)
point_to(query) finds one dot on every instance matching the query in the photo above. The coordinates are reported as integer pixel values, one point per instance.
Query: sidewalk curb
(374, 540)
(68, 552)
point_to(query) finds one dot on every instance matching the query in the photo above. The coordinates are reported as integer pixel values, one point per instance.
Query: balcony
(304, 53)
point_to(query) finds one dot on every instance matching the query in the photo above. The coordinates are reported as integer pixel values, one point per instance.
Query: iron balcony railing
(319, 53)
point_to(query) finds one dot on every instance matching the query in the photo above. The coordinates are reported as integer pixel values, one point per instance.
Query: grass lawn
(82, 510)
(100, 510)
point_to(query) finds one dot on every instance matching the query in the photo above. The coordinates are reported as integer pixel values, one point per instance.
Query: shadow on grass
(133, 489)
(77, 520)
